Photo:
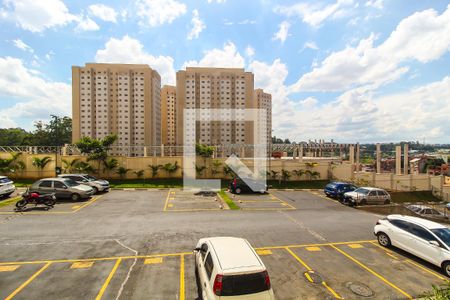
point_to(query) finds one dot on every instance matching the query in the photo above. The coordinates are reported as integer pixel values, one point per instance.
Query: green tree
(122, 171)
(96, 149)
(155, 169)
(171, 168)
(83, 167)
(139, 174)
(199, 169)
(299, 173)
(275, 174)
(13, 136)
(312, 174)
(69, 165)
(204, 150)
(285, 175)
(12, 165)
(109, 165)
(40, 163)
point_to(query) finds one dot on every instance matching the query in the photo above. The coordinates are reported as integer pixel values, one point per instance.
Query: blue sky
(348, 70)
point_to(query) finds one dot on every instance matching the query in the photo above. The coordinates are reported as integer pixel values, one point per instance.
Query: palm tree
(83, 167)
(40, 163)
(285, 174)
(171, 168)
(139, 174)
(69, 166)
(274, 174)
(122, 171)
(298, 173)
(312, 174)
(155, 169)
(109, 165)
(199, 169)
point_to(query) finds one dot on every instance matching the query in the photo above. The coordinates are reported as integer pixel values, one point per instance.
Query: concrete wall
(323, 166)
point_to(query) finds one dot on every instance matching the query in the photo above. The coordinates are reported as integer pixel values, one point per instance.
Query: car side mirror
(434, 243)
(197, 249)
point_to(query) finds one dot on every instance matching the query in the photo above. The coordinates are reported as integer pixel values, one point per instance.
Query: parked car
(337, 189)
(238, 185)
(367, 195)
(63, 188)
(7, 187)
(99, 185)
(423, 238)
(229, 268)
(425, 211)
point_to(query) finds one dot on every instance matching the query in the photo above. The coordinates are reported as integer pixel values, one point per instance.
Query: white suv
(425, 239)
(229, 268)
(7, 187)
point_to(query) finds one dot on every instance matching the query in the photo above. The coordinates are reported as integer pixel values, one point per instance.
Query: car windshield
(70, 182)
(443, 234)
(244, 284)
(5, 180)
(89, 177)
(362, 191)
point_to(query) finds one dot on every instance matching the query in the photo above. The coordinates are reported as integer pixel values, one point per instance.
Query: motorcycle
(49, 200)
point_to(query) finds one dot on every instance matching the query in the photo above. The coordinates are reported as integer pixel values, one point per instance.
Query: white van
(229, 268)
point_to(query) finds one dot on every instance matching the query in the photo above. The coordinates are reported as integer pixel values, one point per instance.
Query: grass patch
(9, 201)
(228, 200)
(304, 184)
(23, 182)
(420, 196)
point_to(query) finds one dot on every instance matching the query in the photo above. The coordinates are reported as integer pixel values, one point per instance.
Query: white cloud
(36, 97)
(282, 32)
(197, 25)
(228, 57)
(22, 46)
(158, 12)
(49, 55)
(423, 36)
(129, 50)
(249, 51)
(315, 14)
(246, 21)
(86, 24)
(310, 45)
(36, 16)
(217, 1)
(103, 12)
(375, 4)
(309, 102)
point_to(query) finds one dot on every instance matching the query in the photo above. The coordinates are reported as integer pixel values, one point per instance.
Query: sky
(348, 70)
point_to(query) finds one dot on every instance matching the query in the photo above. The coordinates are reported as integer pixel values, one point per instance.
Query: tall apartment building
(168, 114)
(122, 99)
(264, 101)
(215, 88)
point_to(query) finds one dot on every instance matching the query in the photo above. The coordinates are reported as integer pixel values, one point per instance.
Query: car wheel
(238, 190)
(363, 202)
(75, 197)
(95, 189)
(383, 239)
(446, 268)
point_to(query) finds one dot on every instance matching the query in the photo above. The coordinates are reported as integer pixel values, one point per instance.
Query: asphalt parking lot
(125, 245)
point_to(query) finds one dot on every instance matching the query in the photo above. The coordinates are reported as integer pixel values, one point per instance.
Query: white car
(98, 185)
(425, 211)
(7, 187)
(423, 238)
(229, 268)
(367, 195)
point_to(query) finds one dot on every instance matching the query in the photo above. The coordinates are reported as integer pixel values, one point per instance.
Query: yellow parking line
(87, 203)
(108, 280)
(170, 205)
(314, 245)
(282, 201)
(372, 271)
(355, 246)
(167, 200)
(264, 252)
(313, 249)
(390, 253)
(154, 260)
(82, 265)
(333, 292)
(9, 268)
(28, 281)
(182, 290)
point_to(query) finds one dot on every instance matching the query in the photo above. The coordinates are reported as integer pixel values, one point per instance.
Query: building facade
(121, 99)
(168, 114)
(264, 101)
(215, 88)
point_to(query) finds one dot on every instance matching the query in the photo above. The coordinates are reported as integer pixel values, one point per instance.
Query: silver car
(7, 187)
(63, 188)
(99, 185)
(367, 195)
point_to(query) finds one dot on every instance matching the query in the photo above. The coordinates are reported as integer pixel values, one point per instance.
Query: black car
(238, 185)
(338, 189)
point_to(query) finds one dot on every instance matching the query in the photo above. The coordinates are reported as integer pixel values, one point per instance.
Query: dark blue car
(337, 189)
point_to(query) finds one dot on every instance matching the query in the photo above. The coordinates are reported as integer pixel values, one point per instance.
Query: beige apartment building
(215, 88)
(264, 101)
(122, 99)
(168, 114)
